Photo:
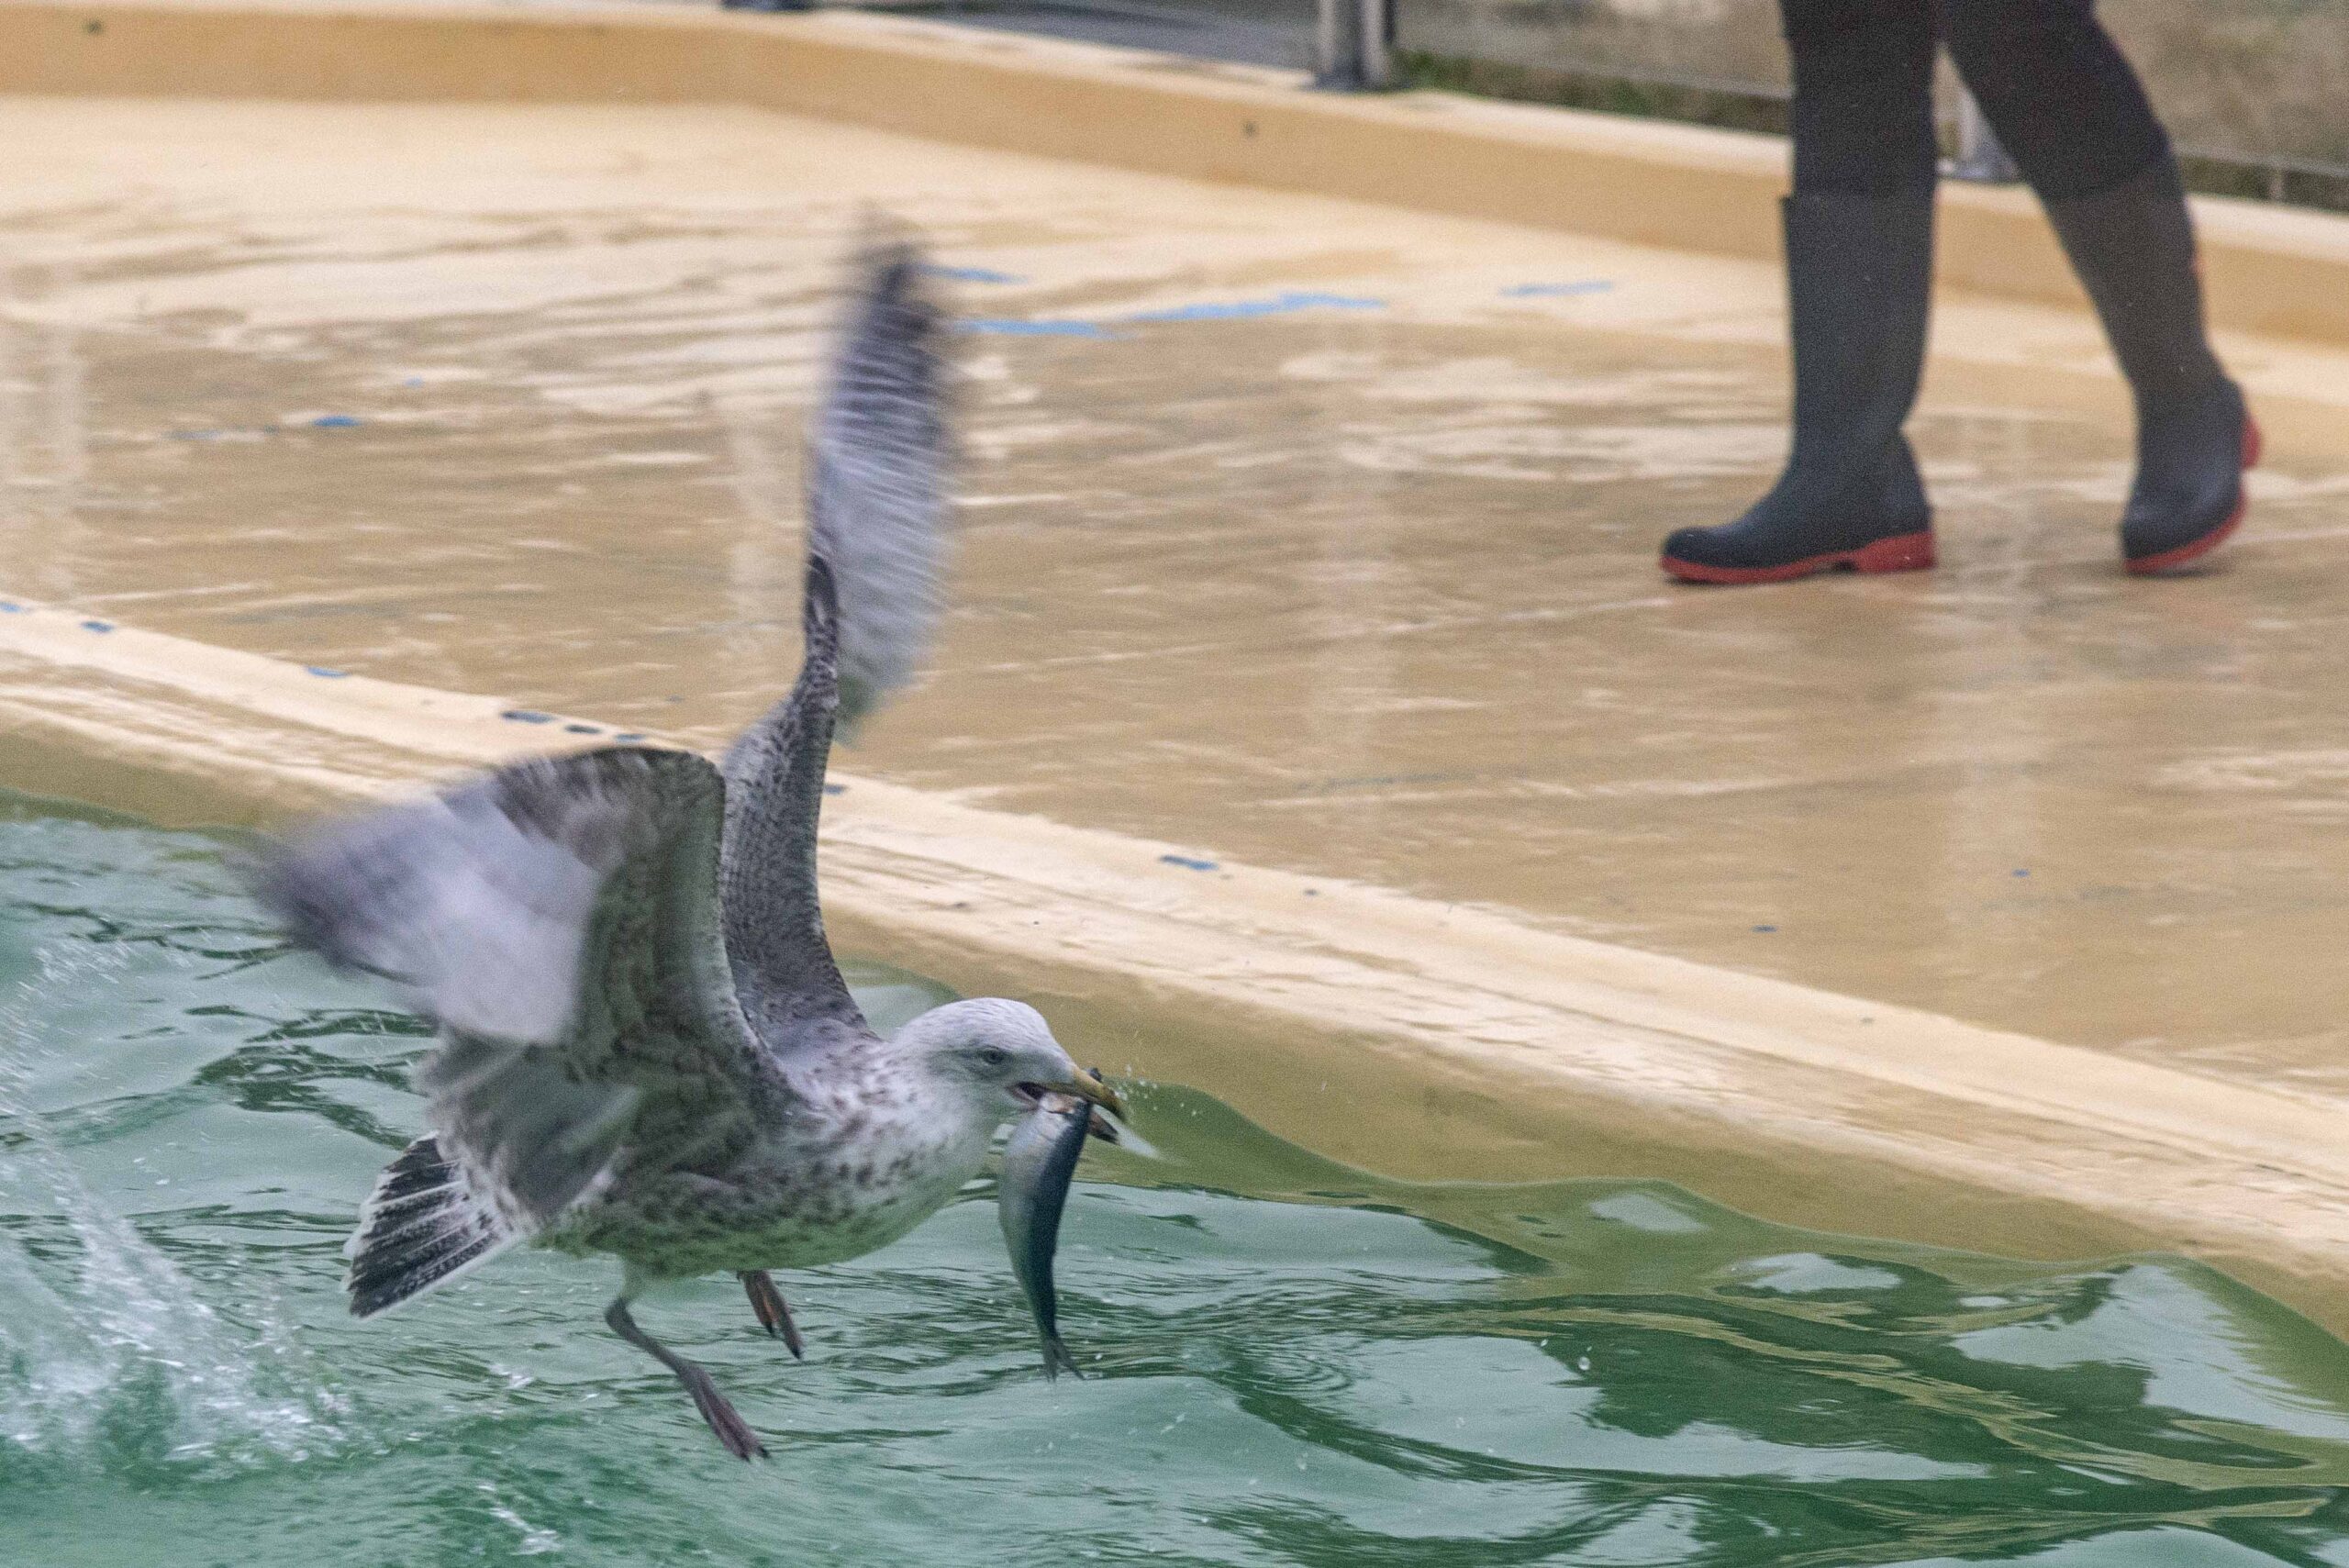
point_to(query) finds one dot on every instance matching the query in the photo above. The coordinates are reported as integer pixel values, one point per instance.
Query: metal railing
(1253, 32)
(1978, 155)
(1355, 45)
(2251, 90)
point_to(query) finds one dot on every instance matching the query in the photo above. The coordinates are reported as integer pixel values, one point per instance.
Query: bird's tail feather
(419, 1229)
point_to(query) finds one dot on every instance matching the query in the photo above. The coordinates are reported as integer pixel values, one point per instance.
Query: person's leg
(1863, 101)
(1859, 270)
(2077, 122)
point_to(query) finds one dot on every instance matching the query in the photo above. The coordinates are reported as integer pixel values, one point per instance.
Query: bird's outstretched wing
(877, 464)
(876, 528)
(557, 918)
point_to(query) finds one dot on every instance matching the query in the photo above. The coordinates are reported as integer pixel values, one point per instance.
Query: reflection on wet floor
(1322, 545)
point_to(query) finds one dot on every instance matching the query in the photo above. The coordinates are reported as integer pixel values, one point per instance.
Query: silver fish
(1039, 1164)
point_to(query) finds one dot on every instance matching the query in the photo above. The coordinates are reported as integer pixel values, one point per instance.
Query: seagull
(644, 1047)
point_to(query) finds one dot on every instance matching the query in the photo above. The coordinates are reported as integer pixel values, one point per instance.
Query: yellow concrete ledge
(1462, 1042)
(2272, 270)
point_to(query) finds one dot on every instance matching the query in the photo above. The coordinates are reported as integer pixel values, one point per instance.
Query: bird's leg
(731, 1429)
(775, 1313)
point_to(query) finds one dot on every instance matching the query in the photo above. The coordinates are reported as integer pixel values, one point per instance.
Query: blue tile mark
(631, 735)
(413, 381)
(1557, 291)
(1186, 862)
(526, 716)
(97, 626)
(1248, 309)
(334, 422)
(322, 673)
(583, 729)
(2022, 872)
(1012, 327)
(1765, 927)
(9, 607)
(836, 789)
(970, 275)
(1223, 310)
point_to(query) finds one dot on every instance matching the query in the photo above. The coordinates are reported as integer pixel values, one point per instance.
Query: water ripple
(1289, 1362)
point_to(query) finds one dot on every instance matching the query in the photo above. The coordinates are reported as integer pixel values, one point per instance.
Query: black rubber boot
(2133, 248)
(1859, 272)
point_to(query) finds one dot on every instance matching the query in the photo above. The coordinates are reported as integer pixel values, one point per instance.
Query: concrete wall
(2271, 269)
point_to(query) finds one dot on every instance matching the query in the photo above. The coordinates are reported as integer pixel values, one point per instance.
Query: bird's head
(1000, 1056)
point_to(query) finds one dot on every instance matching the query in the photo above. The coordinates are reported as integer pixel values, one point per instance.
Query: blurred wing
(557, 918)
(877, 490)
(876, 536)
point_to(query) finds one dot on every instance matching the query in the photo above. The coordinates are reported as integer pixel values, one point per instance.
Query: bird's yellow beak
(1089, 1086)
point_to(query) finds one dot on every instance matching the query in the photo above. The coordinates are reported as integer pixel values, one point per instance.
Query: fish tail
(418, 1230)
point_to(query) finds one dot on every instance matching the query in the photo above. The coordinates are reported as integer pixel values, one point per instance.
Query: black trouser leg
(1863, 95)
(1859, 272)
(2058, 90)
(2076, 119)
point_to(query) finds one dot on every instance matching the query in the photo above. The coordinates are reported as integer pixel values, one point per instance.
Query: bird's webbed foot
(775, 1313)
(731, 1429)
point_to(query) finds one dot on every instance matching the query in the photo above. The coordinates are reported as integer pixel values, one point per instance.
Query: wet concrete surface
(1312, 535)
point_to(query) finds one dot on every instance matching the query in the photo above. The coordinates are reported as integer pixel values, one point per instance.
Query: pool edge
(1471, 1044)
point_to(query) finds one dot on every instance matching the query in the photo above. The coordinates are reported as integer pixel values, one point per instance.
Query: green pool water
(1291, 1361)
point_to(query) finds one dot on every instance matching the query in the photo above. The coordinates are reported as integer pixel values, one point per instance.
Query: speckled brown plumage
(645, 1048)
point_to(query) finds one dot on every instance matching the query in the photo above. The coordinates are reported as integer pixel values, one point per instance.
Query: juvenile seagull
(645, 1047)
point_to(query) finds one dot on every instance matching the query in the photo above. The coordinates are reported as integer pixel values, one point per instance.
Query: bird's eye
(993, 1056)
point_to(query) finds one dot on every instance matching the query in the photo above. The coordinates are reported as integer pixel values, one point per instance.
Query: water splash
(100, 1330)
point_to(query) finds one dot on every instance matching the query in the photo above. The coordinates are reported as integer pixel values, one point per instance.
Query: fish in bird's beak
(1039, 1164)
(1087, 1088)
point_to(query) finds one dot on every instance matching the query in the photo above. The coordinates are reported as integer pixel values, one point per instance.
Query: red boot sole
(2171, 560)
(1902, 552)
